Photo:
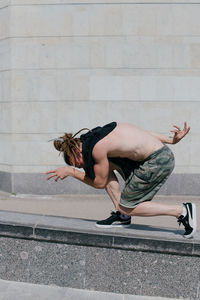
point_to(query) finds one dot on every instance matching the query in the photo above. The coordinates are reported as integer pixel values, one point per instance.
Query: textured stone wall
(101, 269)
(71, 64)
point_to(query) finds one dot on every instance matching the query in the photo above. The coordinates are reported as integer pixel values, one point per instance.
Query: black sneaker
(114, 221)
(189, 221)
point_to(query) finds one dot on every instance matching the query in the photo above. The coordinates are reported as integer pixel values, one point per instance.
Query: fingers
(56, 177)
(177, 127)
(174, 131)
(188, 129)
(185, 129)
(49, 172)
(51, 176)
(185, 125)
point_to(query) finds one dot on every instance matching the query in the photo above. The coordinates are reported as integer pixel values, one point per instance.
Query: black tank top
(90, 139)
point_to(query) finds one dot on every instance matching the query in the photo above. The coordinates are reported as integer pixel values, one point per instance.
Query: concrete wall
(5, 98)
(65, 65)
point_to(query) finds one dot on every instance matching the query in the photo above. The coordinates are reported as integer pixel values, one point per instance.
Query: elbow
(100, 185)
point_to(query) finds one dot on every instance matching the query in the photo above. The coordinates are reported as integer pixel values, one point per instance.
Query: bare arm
(101, 175)
(163, 138)
(178, 135)
(101, 170)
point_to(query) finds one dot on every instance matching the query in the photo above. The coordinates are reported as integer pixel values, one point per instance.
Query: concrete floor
(94, 207)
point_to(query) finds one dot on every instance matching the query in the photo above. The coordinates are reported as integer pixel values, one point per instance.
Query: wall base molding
(36, 183)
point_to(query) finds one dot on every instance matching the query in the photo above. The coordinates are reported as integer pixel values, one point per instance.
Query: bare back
(129, 141)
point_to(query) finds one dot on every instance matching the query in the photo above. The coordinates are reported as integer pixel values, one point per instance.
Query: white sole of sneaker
(113, 226)
(194, 222)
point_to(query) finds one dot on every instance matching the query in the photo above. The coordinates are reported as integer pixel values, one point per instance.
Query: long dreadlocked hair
(68, 144)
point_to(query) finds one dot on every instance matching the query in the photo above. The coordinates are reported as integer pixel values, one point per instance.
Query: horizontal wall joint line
(109, 3)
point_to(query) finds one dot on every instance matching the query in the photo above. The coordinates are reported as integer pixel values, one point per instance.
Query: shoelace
(182, 220)
(179, 220)
(113, 213)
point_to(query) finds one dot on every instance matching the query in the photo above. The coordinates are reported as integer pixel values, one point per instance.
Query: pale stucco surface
(71, 64)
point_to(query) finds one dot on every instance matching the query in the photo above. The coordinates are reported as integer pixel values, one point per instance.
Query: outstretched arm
(101, 170)
(178, 135)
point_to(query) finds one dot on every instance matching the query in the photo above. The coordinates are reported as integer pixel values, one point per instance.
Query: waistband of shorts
(155, 153)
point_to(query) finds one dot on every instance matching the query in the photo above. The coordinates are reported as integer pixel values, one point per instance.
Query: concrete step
(71, 252)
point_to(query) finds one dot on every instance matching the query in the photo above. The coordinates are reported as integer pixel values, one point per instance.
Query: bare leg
(113, 189)
(145, 209)
(150, 209)
(116, 219)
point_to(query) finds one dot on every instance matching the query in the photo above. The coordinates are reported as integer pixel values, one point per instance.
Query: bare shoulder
(100, 150)
(111, 141)
(116, 142)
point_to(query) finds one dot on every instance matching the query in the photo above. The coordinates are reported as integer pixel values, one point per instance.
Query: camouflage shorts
(146, 180)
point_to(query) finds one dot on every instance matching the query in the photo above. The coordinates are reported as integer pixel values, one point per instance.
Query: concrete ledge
(140, 260)
(84, 233)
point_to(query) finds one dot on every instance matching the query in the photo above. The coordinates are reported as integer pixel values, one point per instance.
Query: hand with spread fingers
(60, 173)
(179, 133)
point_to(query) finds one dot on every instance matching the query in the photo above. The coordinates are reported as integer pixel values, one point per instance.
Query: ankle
(124, 217)
(181, 211)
